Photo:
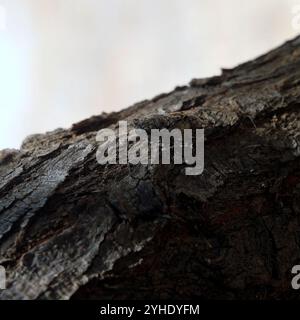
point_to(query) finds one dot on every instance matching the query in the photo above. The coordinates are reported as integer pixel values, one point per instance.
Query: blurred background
(64, 60)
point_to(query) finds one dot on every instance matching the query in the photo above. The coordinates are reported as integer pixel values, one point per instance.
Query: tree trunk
(73, 229)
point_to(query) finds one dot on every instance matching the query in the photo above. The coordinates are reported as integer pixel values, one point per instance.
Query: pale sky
(64, 60)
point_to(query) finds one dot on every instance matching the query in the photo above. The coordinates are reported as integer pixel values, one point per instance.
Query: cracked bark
(72, 229)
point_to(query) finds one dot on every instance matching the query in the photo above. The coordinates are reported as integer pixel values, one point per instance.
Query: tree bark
(73, 229)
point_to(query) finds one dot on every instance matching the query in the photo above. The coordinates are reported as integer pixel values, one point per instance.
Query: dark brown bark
(71, 228)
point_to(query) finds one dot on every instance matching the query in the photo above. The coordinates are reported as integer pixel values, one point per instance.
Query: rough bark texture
(71, 228)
